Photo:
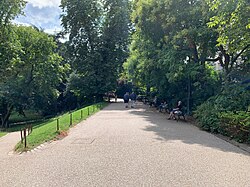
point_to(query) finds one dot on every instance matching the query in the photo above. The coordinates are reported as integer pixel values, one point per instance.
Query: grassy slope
(48, 130)
(2, 134)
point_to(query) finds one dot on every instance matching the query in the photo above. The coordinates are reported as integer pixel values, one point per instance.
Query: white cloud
(44, 3)
(46, 18)
(44, 14)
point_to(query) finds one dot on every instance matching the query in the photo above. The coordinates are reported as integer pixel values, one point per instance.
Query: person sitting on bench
(163, 106)
(176, 110)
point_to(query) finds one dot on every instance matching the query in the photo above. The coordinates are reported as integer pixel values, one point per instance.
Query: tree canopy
(195, 51)
(176, 45)
(33, 75)
(97, 45)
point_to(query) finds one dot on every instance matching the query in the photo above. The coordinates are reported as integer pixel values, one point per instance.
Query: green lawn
(47, 131)
(29, 115)
(2, 133)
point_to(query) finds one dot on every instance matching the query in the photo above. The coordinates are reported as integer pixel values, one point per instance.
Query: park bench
(163, 107)
(146, 101)
(178, 114)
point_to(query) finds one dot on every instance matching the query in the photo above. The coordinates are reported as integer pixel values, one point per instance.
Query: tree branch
(212, 59)
(237, 56)
(222, 50)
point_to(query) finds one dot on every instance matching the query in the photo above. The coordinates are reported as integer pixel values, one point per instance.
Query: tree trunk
(189, 95)
(193, 47)
(6, 112)
(225, 62)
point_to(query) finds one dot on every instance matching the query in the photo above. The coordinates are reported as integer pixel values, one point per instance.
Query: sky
(43, 14)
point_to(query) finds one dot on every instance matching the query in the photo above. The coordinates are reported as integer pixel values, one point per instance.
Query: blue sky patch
(45, 17)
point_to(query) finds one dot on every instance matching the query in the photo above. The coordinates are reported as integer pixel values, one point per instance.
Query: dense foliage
(194, 51)
(40, 73)
(170, 50)
(30, 68)
(34, 74)
(97, 47)
(236, 125)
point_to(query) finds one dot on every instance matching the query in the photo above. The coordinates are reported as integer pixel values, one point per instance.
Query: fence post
(21, 135)
(70, 119)
(25, 139)
(30, 129)
(93, 108)
(81, 114)
(57, 124)
(88, 110)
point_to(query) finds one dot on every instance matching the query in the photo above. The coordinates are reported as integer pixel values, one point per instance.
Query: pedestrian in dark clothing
(126, 99)
(133, 99)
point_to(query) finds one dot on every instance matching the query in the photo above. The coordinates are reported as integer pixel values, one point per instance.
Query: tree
(181, 24)
(231, 21)
(115, 34)
(9, 9)
(167, 34)
(97, 44)
(9, 45)
(32, 81)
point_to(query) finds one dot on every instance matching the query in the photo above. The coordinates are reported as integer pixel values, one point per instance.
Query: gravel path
(130, 147)
(7, 144)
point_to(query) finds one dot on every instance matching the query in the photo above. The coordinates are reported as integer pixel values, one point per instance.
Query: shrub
(226, 113)
(207, 116)
(233, 97)
(236, 125)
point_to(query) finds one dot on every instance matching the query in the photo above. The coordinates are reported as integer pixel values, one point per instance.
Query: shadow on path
(171, 130)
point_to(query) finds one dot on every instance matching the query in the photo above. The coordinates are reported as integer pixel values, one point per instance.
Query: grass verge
(47, 131)
(2, 134)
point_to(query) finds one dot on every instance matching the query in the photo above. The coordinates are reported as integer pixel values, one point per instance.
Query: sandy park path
(130, 147)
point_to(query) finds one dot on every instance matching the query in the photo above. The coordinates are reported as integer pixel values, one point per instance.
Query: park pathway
(130, 147)
(7, 144)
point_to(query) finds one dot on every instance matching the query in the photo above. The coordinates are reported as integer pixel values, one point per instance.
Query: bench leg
(179, 117)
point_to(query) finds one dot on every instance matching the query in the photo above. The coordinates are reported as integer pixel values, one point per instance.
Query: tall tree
(97, 43)
(167, 34)
(81, 19)
(115, 34)
(32, 81)
(9, 45)
(182, 24)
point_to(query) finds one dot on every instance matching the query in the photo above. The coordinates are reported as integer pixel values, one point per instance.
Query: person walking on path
(126, 99)
(133, 99)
